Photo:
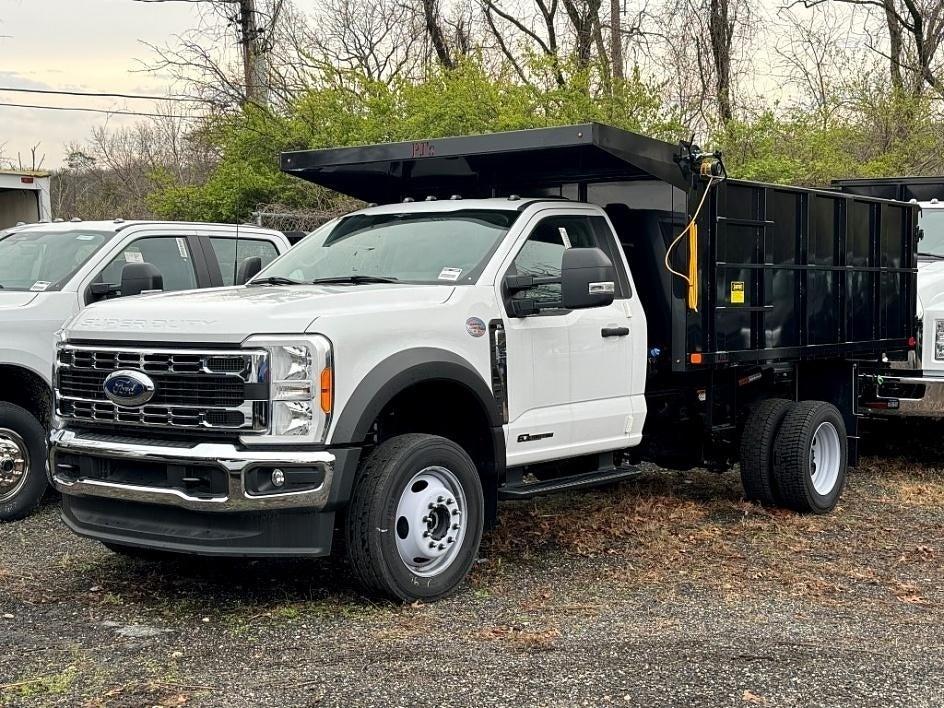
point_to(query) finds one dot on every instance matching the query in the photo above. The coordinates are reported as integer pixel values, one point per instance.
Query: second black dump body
(783, 273)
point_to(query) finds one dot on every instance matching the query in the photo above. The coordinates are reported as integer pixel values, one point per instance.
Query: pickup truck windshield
(932, 222)
(417, 247)
(45, 260)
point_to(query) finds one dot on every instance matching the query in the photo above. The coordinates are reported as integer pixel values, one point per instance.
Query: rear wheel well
(449, 409)
(27, 390)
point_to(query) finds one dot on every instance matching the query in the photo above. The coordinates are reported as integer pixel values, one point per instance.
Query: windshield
(45, 260)
(428, 247)
(932, 222)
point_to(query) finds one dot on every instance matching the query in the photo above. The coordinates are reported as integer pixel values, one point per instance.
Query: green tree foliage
(879, 132)
(354, 110)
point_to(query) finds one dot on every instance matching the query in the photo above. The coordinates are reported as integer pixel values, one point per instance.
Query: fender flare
(394, 375)
(398, 372)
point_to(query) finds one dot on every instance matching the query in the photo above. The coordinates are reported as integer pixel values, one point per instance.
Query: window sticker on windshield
(134, 257)
(450, 273)
(564, 237)
(40, 285)
(182, 247)
(85, 237)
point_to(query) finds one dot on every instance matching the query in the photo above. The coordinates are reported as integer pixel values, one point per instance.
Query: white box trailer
(24, 197)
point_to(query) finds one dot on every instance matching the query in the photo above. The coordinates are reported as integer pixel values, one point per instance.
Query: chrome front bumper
(234, 462)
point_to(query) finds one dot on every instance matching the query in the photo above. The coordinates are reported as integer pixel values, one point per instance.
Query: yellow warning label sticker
(737, 292)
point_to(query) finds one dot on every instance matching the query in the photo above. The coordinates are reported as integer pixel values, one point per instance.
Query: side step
(584, 480)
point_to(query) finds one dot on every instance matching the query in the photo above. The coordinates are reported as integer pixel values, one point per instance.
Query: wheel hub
(825, 458)
(429, 521)
(14, 463)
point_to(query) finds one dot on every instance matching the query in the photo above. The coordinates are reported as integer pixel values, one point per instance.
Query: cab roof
(515, 162)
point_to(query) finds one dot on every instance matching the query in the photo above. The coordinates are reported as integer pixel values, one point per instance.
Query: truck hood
(232, 314)
(10, 299)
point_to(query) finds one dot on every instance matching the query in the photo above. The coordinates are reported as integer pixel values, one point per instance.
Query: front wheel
(415, 519)
(22, 462)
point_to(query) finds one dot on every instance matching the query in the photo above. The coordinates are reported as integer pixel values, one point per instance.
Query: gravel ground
(667, 590)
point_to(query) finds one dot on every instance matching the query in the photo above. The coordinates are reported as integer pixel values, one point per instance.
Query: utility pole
(254, 74)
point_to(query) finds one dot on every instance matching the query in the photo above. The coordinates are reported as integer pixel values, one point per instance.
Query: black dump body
(783, 273)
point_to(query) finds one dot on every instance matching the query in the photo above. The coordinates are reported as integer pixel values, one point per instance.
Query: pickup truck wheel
(757, 450)
(22, 462)
(810, 457)
(415, 519)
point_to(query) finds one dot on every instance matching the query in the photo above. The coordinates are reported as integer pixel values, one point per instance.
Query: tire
(810, 457)
(757, 450)
(411, 485)
(22, 462)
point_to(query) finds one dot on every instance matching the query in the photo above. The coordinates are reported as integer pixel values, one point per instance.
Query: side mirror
(138, 277)
(248, 269)
(588, 279)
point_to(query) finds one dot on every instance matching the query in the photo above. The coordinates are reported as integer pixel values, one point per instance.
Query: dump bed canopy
(487, 165)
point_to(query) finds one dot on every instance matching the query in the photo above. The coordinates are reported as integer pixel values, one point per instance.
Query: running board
(585, 480)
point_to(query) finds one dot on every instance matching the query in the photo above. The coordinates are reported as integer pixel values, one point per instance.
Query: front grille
(197, 390)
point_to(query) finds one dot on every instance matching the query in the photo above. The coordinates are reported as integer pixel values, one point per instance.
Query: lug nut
(450, 502)
(442, 547)
(432, 545)
(426, 534)
(425, 519)
(451, 540)
(432, 506)
(455, 512)
(440, 499)
(455, 527)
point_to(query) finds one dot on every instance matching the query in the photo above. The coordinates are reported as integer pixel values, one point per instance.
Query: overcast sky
(86, 45)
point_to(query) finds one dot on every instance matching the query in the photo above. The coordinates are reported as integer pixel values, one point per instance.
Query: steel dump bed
(780, 273)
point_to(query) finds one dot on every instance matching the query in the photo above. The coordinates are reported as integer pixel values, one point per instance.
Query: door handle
(614, 331)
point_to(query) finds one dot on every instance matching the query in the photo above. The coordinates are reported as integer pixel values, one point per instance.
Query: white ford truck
(48, 272)
(407, 366)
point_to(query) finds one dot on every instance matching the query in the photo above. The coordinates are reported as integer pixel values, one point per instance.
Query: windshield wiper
(936, 256)
(354, 280)
(274, 280)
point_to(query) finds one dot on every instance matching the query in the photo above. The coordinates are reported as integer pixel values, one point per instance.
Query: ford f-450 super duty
(408, 365)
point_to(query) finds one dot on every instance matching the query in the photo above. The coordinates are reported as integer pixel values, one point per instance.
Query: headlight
(939, 340)
(300, 389)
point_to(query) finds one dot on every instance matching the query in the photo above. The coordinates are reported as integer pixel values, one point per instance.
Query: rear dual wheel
(794, 455)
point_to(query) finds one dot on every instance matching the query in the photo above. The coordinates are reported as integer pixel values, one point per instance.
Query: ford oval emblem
(129, 388)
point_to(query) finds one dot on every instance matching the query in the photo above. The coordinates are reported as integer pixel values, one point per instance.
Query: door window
(543, 253)
(169, 254)
(231, 252)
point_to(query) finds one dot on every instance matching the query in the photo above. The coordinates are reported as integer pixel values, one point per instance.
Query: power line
(184, 99)
(94, 110)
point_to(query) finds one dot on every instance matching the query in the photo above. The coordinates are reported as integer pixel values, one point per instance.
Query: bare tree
(915, 33)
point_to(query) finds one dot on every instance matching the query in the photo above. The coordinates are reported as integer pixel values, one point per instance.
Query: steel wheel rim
(14, 464)
(825, 458)
(430, 523)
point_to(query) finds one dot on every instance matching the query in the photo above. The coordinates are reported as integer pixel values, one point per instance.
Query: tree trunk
(436, 36)
(721, 30)
(616, 41)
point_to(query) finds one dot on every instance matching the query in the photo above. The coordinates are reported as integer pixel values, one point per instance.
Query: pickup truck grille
(196, 390)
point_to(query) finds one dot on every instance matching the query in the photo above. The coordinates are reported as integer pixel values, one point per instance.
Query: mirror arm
(517, 283)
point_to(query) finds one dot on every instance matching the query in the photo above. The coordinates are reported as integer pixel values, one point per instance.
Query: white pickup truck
(921, 391)
(405, 367)
(48, 272)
